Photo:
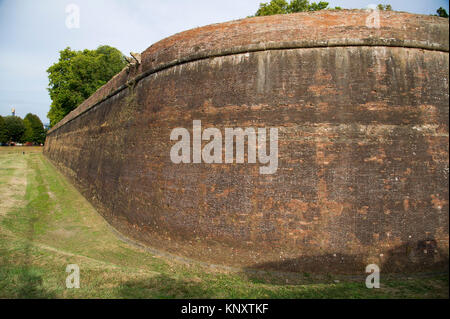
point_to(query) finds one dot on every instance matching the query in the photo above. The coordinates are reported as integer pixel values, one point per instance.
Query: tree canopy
(384, 7)
(442, 12)
(14, 128)
(3, 131)
(282, 7)
(77, 75)
(34, 129)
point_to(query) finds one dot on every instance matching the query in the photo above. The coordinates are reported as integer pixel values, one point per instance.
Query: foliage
(282, 7)
(442, 12)
(77, 75)
(384, 7)
(274, 7)
(34, 129)
(3, 131)
(14, 128)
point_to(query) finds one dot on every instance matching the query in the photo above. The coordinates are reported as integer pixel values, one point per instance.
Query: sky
(33, 32)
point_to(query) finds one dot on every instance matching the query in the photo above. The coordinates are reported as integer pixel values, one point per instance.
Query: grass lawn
(45, 224)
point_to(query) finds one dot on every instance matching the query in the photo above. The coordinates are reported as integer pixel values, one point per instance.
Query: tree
(442, 12)
(3, 131)
(14, 128)
(28, 133)
(34, 129)
(274, 7)
(77, 75)
(384, 7)
(282, 7)
(316, 6)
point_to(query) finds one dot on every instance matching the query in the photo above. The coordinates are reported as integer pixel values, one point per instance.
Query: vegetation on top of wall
(282, 7)
(441, 12)
(77, 75)
(384, 7)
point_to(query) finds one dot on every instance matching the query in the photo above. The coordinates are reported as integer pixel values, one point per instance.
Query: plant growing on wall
(441, 12)
(282, 6)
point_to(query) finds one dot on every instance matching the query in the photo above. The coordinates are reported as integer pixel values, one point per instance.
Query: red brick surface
(362, 115)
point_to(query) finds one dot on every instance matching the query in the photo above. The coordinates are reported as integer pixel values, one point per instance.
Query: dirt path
(13, 181)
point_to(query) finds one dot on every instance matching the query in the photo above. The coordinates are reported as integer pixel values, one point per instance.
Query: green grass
(45, 224)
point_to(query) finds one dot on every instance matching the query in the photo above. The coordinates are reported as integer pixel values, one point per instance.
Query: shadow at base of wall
(416, 257)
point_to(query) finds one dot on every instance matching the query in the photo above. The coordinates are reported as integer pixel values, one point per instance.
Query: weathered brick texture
(362, 115)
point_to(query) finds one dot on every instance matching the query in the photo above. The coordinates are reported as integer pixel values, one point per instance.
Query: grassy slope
(45, 224)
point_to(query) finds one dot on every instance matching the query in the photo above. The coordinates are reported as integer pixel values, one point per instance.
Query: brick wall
(362, 115)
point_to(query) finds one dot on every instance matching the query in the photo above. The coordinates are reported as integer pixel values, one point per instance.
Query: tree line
(18, 130)
(284, 7)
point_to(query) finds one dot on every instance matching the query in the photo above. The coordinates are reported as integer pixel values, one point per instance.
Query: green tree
(3, 131)
(442, 12)
(282, 7)
(34, 129)
(14, 128)
(316, 6)
(77, 75)
(28, 133)
(384, 7)
(274, 7)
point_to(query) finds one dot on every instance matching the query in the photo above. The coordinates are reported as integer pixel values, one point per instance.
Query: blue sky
(32, 33)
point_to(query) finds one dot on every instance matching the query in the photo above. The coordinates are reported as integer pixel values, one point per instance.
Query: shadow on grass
(310, 277)
(24, 282)
(164, 287)
(414, 257)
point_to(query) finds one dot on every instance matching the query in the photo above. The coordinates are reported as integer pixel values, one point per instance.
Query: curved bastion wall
(361, 107)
